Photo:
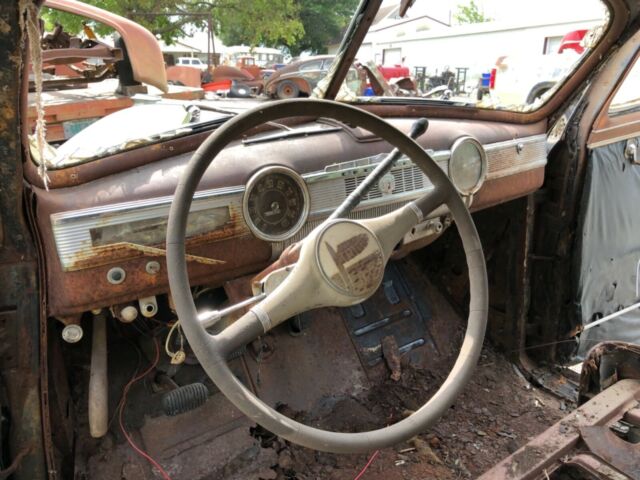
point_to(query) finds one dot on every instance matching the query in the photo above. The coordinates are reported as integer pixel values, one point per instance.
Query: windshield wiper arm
(419, 100)
(293, 133)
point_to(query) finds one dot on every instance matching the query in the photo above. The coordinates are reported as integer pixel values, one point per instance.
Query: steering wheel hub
(350, 258)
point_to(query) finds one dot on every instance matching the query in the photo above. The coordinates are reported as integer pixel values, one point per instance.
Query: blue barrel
(486, 79)
(368, 92)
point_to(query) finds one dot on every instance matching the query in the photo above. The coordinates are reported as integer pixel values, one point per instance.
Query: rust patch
(612, 449)
(392, 356)
(81, 290)
(105, 254)
(118, 251)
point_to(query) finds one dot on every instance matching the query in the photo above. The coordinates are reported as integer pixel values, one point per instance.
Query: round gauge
(386, 184)
(275, 203)
(467, 165)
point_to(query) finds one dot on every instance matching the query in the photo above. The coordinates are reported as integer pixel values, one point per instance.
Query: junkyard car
(299, 77)
(197, 290)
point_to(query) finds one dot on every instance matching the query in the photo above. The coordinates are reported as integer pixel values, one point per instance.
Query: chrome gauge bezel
(256, 177)
(483, 159)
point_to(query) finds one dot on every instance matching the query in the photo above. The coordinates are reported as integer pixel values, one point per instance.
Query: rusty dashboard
(104, 240)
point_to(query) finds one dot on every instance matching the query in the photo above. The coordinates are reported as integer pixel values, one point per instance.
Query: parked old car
(194, 289)
(299, 78)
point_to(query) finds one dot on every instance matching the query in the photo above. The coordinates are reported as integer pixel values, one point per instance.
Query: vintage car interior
(195, 297)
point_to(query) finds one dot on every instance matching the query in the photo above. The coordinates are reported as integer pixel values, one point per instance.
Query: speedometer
(276, 203)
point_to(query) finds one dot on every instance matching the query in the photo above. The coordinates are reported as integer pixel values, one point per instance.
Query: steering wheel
(341, 263)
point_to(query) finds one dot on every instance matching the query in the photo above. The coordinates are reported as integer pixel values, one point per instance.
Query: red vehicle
(394, 71)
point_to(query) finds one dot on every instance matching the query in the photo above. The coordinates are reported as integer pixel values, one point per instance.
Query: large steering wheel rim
(211, 353)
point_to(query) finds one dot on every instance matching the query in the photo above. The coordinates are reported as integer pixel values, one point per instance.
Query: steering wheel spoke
(392, 227)
(429, 202)
(240, 333)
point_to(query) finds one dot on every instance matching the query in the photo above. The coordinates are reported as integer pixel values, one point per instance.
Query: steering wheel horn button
(350, 258)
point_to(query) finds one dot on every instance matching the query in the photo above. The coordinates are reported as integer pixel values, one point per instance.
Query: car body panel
(302, 72)
(143, 48)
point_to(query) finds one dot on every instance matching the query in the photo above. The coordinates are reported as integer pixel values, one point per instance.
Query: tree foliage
(259, 21)
(470, 13)
(324, 22)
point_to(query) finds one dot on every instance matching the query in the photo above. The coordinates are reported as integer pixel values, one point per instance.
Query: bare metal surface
(143, 48)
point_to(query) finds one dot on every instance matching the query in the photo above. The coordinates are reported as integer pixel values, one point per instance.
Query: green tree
(262, 21)
(324, 22)
(470, 13)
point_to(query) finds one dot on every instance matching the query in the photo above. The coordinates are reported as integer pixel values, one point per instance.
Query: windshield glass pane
(627, 98)
(485, 53)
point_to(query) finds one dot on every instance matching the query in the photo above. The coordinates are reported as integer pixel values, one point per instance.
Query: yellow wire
(168, 340)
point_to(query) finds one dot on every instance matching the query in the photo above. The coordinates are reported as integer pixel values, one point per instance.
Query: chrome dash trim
(137, 205)
(72, 230)
(516, 156)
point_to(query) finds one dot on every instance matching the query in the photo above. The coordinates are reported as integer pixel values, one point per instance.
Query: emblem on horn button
(350, 258)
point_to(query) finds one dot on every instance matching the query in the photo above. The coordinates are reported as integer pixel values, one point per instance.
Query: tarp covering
(609, 246)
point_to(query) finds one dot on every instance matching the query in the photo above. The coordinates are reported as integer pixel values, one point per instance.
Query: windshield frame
(368, 9)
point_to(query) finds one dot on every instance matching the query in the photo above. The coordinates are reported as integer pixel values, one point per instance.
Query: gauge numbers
(276, 203)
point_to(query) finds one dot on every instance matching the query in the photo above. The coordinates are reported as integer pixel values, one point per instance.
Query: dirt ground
(498, 412)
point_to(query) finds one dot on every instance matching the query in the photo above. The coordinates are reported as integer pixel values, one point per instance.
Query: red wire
(123, 404)
(145, 455)
(373, 457)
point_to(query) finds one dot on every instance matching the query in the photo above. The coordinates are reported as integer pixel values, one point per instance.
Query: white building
(197, 44)
(426, 40)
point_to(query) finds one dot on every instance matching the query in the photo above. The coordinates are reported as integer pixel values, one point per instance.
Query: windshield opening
(488, 54)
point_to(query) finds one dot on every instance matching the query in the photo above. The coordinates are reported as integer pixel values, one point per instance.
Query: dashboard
(104, 240)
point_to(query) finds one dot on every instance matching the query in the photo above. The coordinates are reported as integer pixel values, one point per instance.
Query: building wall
(475, 46)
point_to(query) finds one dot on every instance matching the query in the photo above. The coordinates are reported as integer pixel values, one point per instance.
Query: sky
(510, 10)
